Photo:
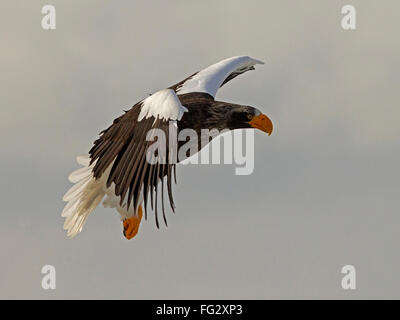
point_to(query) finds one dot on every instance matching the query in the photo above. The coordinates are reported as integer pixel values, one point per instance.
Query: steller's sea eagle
(117, 168)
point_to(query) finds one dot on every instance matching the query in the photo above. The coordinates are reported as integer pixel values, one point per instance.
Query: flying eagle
(117, 168)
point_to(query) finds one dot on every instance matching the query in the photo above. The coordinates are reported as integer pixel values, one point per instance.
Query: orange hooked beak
(263, 123)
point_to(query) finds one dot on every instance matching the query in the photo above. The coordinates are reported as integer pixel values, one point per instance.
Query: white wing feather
(163, 104)
(210, 79)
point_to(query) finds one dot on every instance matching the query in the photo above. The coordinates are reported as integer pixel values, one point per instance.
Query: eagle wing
(210, 79)
(124, 146)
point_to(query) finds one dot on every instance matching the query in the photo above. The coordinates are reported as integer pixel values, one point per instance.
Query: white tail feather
(83, 160)
(83, 197)
(79, 174)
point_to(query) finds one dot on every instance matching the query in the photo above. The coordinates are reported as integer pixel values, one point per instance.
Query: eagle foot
(131, 225)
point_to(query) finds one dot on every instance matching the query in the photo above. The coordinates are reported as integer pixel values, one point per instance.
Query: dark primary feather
(125, 141)
(236, 73)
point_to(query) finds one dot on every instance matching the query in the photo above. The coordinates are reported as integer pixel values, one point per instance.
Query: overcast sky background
(325, 190)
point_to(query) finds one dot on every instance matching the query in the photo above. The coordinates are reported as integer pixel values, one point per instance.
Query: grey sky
(325, 188)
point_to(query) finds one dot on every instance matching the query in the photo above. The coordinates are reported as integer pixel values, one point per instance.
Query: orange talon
(131, 225)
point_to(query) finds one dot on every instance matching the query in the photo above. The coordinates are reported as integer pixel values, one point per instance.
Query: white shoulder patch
(163, 104)
(210, 79)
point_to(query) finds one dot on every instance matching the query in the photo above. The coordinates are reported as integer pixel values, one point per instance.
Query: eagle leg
(131, 225)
